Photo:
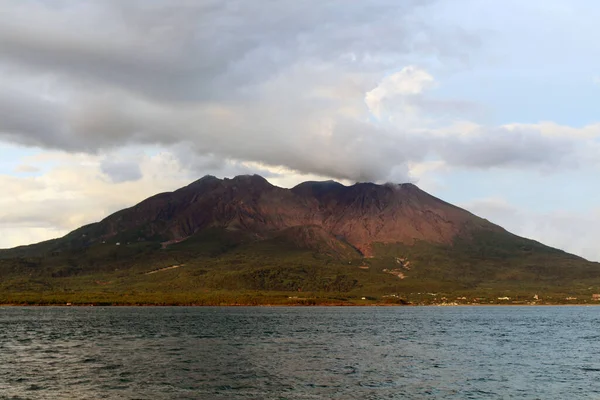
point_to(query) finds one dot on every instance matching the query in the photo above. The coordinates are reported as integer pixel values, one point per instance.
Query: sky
(490, 105)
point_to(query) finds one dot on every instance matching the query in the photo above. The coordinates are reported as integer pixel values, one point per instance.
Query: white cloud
(73, 193)
(24, 168)
(574, 232)
(404, 83)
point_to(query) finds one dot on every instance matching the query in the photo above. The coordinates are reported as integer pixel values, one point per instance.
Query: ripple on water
(299, 353)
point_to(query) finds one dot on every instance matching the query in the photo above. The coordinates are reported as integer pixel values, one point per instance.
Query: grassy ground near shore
(217, 269)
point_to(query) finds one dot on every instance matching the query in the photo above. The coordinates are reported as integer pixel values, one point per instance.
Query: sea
(529, 352)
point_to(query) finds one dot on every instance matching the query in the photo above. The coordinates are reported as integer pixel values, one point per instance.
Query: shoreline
(7, 305)
(278, 299)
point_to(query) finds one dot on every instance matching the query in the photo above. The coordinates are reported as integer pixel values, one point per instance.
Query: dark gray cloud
(278, 83)
(121, 170)
(27, 119)
(181, 50)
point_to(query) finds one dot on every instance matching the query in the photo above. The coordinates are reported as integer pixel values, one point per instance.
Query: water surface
(299, 353)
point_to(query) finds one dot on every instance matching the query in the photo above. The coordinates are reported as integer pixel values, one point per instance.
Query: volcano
(247, 234)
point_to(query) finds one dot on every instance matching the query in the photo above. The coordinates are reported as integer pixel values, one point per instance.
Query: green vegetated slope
(301, 264)
(213, 263)
(217, 267)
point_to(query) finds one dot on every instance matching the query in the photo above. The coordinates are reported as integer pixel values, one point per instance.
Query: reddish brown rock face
(358, 215)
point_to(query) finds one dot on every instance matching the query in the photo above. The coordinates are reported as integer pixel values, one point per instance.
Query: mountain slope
(359, 215)
(246, 234)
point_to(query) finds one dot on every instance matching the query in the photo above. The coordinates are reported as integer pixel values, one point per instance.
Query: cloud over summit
(337, 89)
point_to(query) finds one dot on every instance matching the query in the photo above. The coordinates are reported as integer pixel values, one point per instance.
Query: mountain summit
(245, 233)
(360, 215)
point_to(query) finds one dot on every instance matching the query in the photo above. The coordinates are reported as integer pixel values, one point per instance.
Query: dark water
(300, 353)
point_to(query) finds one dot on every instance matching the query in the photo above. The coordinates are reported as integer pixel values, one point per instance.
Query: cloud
(24, 168)
(119, 171)
(179, 50)
(73, 189)
(505, 147)
(282, 85)
(322, 130)
(574, 232)
(406, 82)
(26, 118)
(317, 88)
